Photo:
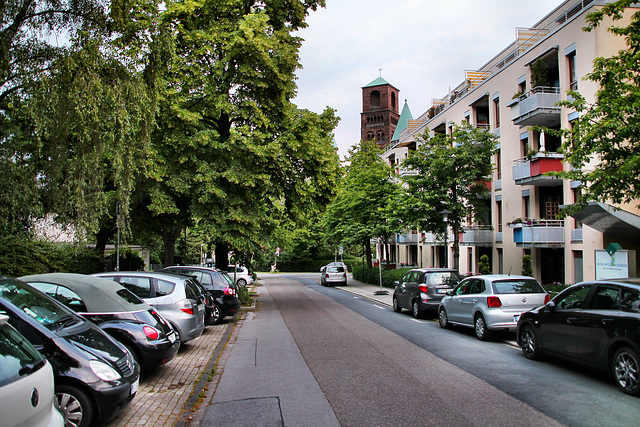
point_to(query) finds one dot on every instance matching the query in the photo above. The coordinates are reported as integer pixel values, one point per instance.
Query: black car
(596, 324)
(218, 285)
(117, 311)
(95, 377)
(421, 289)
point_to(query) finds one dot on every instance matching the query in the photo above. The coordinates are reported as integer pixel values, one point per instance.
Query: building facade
(511, 94)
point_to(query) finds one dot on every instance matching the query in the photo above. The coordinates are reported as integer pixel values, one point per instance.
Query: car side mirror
(449, 293)
(551, 306)
(397, 282)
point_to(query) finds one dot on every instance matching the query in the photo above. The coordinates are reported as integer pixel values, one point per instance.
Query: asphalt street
(304, 358)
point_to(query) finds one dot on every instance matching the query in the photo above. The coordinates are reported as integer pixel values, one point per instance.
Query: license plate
(135, 385)
(516, 317)
(442, 291)
(172, 337)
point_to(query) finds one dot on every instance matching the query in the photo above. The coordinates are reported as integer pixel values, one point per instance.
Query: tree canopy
(603, 144)
(451, 175)
(359, 212)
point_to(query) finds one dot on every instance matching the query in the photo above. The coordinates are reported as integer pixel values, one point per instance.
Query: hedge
(372, 275)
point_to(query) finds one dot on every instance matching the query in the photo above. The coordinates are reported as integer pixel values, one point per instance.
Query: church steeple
(379, 116)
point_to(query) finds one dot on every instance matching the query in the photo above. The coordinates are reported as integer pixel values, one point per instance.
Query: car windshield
(517, 287)
(37, 305)
(443, 278)
(335, 269)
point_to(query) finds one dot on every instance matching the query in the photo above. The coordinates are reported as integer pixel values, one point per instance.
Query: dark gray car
(421, 289)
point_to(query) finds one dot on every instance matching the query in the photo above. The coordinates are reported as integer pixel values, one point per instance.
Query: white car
(242, 276)
(26, 382)
(492, 302)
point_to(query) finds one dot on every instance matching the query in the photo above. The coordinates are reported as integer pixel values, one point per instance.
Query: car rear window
(335, 269)
(442, 278)
(517, 287)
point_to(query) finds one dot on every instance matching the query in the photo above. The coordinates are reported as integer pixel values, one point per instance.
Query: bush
(526, 265)
(483, 265)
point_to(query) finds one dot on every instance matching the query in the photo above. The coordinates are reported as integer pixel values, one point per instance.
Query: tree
(231, 151)
(359, 212)
(603, 146)
(452, 171)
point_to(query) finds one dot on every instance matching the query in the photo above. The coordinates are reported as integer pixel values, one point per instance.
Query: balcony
(407, 239)
(430, 238)
(537, 107)
(477, 235)
(532, 171)
(407, 172)
(538, 233)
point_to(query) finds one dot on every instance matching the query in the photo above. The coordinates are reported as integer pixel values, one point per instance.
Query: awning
(616, 223)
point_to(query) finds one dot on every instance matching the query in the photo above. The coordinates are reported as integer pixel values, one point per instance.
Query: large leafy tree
(359, 212)
(77, 104)
(231, 150)
(452, 171)
(603, 146)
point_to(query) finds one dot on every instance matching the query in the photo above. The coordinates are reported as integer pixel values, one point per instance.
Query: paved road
(306, 357)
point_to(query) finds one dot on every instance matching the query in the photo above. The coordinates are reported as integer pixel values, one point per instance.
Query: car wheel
(415, 308)
(242, 283)
(482, 332)
(529, 343)
(216, 315)
(74, 405)
(626, 371)
(443, 319)
(396, 306)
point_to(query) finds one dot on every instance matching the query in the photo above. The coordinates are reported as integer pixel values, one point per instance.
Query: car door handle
(607, 321)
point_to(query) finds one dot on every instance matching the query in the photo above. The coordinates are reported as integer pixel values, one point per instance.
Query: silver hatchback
(491, 303)
(177, 298)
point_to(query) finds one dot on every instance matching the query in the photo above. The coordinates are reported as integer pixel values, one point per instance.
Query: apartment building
(524, 202)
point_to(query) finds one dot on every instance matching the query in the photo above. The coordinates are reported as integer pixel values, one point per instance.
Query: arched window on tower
(374, 99)
(393, 101)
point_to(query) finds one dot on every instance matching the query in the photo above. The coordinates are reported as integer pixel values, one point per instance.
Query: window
(630, 300)
(477, 286)
(496, 110)
(164, 287)
(606, 298)
(139, 286)
(374, 99)
(517, 287)
(573, 75)
(573, 299)
(129, 297)
(70, 299)
(16, 354)
(192, 290)
(499, 213)
(442, 278)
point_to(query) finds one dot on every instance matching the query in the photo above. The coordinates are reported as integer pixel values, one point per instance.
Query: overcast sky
(422, 46)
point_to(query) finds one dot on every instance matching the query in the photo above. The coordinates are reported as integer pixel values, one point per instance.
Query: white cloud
(423, 48)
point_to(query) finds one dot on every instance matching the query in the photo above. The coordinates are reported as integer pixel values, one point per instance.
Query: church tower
(379, 116)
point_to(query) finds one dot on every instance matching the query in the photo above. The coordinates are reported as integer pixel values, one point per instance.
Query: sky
(422, 46)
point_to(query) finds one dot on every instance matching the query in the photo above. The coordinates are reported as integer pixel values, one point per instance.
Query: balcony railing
(430, 238)
(576, 235)
(537, 107)
(531, 171)
(407, 239)
(477, 235)
(538, 233)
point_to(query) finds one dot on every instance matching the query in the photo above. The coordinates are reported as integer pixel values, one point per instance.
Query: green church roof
(380, 81)
(403, 121)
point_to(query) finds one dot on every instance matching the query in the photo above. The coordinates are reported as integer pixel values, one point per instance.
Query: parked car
(491, 303)
(95, 376)
(595, 323)
(223, 292)
(26, 382)
(177, 298)
(131, 321)
(333, 273)
(421, 289)
(240, 274)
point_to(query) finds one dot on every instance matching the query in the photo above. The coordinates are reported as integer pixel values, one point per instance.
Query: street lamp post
(445, 217)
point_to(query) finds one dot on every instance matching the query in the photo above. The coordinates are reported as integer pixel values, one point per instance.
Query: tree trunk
(456, 244)
(169, 237)
(105, 233)
(367, 252)
(222, 256)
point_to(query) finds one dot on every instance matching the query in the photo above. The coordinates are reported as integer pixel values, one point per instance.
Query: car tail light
(423, 288)
(547, 298)
(494, 302)
(229, 291)
(151, 332)
(188, 310)
(185, 306)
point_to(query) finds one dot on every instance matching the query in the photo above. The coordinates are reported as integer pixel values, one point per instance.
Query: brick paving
(163, 396)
